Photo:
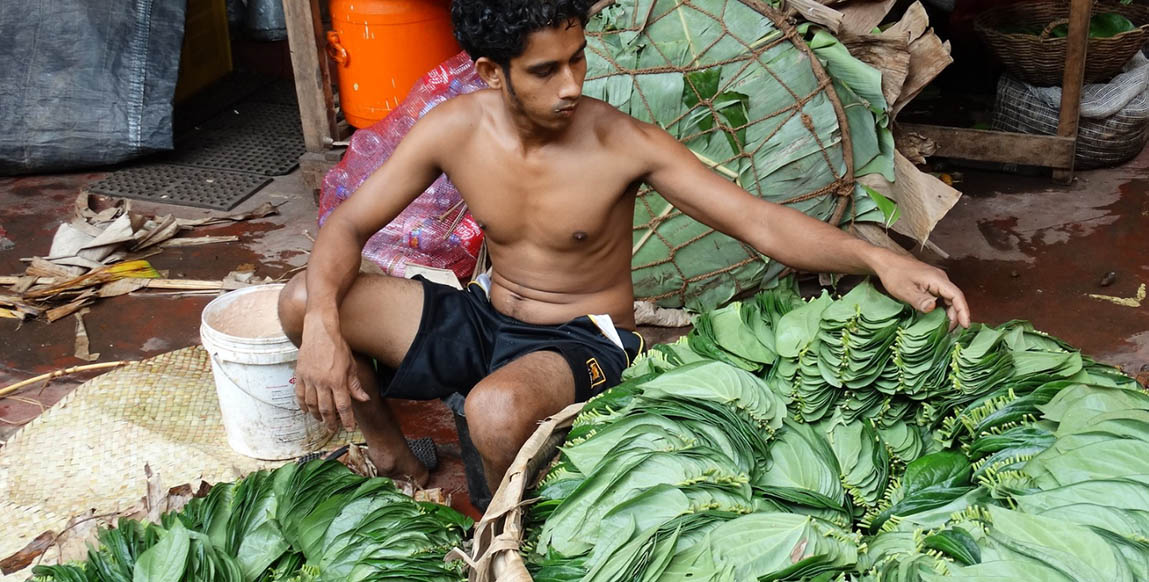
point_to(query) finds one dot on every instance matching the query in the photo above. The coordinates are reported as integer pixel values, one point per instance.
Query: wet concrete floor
(1026, 248)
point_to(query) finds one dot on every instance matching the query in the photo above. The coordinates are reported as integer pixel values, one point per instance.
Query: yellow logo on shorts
(596, 374)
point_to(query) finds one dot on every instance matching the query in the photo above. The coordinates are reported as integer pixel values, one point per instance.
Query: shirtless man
(551, 177)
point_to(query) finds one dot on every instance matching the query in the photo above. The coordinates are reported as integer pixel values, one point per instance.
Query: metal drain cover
(275, 118)
(281, 91)
(205, 188)
(262, 138)
(220, 161)
(242, 150)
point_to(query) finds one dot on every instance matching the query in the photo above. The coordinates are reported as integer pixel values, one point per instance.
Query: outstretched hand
(921, 286)
(326, 379)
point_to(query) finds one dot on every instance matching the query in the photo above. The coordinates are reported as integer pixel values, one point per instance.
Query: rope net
(735, 83)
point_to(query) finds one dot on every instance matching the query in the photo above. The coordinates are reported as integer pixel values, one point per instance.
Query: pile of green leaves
(854, 440)
(312, 522)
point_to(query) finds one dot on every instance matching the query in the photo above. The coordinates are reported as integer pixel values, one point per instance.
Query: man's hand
(326, 377)
(921, 286)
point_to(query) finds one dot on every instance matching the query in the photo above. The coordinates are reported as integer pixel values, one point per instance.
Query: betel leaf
(1005, 417)
(1103, 25)
(939, 470)
(1068, 548)
(797, 328)
(165, 561)
(60, 572)
(408, 543)
(260, 548)
(956, 543)
(803, 469)
(933, 481)
(890, 209)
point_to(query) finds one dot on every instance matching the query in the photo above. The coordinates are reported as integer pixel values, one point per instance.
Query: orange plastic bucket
(382, 47)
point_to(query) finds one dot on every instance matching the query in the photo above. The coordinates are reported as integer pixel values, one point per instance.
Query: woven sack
(1040, 59)
(1100, 142)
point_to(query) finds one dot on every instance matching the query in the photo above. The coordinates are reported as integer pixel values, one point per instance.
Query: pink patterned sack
(435, 230)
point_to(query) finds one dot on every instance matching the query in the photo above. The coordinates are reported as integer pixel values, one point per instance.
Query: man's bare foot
(403, 466)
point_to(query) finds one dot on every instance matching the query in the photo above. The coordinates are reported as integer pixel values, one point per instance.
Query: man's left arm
(787, 235)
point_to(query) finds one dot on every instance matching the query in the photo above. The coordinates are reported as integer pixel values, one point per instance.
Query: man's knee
(292, 306)
(497, 418)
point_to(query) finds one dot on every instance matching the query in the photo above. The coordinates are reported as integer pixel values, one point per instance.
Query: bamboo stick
(670, 207)
(65, 372)
(654, 226)
(190, 284)
(191, 241)
(716, 166)
(184, 284)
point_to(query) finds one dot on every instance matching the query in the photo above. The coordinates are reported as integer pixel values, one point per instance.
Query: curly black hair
(498, 29)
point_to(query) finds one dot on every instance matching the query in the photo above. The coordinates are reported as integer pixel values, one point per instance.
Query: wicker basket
(1039, 59)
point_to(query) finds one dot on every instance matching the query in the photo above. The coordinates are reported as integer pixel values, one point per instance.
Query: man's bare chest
(569, 204)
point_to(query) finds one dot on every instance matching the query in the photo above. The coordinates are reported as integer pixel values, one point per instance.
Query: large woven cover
(739, 87)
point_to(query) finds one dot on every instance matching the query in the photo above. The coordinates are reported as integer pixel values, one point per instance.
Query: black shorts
(462, 339)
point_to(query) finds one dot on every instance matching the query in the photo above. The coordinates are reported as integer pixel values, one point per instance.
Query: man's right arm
(326, 375)
(334, 261)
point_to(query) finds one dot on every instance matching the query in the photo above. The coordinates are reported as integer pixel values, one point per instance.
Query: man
(551, 178)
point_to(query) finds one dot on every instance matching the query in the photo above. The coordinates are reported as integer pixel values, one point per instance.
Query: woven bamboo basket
(1040, 59)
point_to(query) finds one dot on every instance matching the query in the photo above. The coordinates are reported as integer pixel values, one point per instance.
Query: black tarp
(86, 82)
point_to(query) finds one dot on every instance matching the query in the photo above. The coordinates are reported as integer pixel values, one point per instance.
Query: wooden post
(1075, 53)
(312, 76)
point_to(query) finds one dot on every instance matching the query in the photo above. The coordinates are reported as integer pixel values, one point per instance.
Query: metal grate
(205, 188)
(262, 138)
(267, 154)
(277, 118)
(221, 161)
(281, 91)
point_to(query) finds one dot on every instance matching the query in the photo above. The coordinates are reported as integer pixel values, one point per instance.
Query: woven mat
(89, 450)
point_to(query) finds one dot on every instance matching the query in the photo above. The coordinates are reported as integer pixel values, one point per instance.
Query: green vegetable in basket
(1103, 25)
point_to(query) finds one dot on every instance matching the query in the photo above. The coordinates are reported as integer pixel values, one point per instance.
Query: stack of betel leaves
(312, 522)
(855, 440)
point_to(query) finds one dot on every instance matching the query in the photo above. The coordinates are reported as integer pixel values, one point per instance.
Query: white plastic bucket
(253, 364)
